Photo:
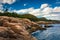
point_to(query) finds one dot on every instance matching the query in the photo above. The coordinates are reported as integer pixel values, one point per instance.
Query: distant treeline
(28, 16)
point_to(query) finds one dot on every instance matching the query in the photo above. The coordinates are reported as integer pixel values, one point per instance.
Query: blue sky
(39, 8)
(19, 4)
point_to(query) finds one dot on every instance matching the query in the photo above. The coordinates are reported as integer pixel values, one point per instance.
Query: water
(52, 33)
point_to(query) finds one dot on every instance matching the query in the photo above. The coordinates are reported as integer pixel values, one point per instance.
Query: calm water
(52, 33)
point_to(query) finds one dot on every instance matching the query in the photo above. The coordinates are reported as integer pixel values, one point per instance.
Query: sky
(49, 9)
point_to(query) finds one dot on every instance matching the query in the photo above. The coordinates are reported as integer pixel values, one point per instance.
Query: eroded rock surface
(16, 28)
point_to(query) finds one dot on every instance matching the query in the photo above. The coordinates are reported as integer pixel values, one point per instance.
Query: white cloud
(43, 11)
(44, 5)
(1, 6)
(54, 18)
(23, 11)
(29, 10)
(47, 10)
(56, 9)
(35, 12)
(7, 1)
(50, 15)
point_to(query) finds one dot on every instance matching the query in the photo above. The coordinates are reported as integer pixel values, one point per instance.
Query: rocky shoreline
(17, 28)
(48, 22)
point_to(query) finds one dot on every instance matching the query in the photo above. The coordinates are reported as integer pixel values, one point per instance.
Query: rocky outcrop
(17, 29)
(44, 22)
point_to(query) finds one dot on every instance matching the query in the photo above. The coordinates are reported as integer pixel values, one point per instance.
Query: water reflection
(52, 33)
